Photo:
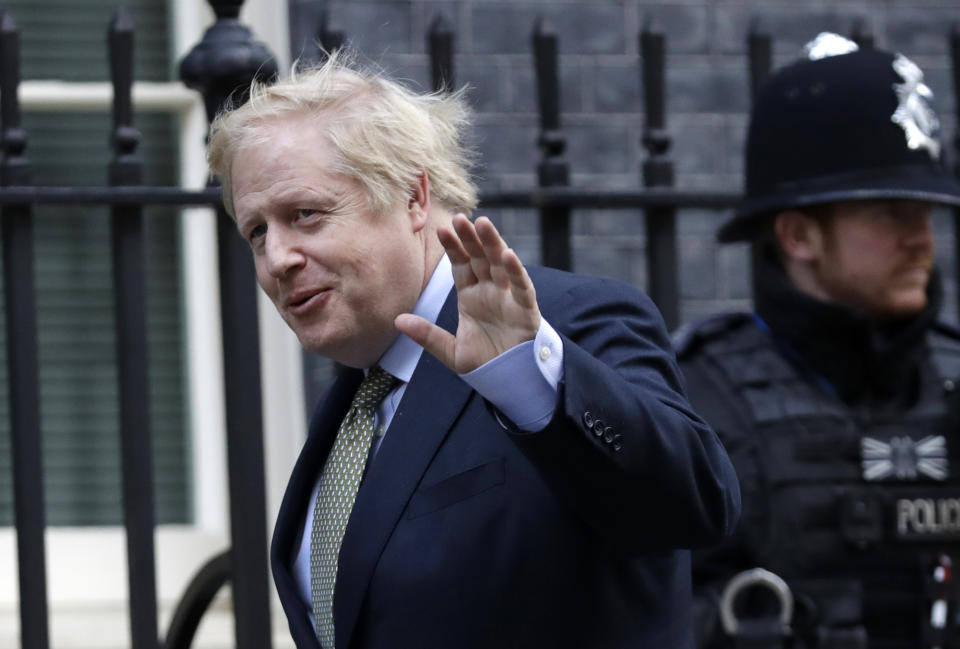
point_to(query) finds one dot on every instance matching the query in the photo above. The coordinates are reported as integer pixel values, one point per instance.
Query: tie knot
(374, 387)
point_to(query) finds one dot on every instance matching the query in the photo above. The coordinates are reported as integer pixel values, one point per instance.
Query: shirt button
(545, 353)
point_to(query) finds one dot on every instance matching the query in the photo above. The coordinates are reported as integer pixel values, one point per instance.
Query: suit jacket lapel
(418, 428)
(296, 499)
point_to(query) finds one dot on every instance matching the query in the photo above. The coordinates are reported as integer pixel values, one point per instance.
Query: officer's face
(875, 256)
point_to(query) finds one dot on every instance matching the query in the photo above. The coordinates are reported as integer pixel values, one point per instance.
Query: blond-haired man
(529, 481)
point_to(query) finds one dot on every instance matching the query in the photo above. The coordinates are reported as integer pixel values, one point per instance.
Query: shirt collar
(402, 356)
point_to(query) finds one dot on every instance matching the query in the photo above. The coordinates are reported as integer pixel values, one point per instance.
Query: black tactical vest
(861, 508)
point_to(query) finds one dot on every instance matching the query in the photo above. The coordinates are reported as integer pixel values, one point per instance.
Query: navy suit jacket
(467, 534)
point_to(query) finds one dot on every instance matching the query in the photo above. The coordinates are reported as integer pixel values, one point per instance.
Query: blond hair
(384, 135)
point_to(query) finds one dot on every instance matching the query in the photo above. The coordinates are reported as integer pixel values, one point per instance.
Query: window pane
(67, 39)
(79, 409)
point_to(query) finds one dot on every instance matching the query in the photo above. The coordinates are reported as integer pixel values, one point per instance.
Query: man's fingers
(437, 341)
(471, 243)
(479, 254)
(463, 275)
(468, 235)
(487, 231)
(451, 244)
(521, 287)
(493, 249)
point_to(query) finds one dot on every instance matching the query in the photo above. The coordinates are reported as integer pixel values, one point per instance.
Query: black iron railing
(16, 228)
(226, 60)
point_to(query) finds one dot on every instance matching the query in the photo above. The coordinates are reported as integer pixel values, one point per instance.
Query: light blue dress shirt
(522, 383)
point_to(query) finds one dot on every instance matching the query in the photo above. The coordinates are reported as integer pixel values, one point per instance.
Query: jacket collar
(861, 360)
(290, 520)
(419, 426)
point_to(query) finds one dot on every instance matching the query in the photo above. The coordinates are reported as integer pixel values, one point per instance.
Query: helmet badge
(829, 44)
(914, 113)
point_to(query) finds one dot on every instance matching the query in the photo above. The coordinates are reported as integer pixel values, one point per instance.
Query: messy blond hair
(384, 135)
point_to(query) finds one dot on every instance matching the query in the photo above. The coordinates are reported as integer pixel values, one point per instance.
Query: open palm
(496, 300)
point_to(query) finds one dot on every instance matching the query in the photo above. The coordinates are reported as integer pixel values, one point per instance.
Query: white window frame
(86, 567)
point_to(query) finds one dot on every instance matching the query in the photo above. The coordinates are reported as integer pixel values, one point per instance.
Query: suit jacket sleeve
(624, 449)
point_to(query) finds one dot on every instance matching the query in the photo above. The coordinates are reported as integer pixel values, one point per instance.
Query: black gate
(227, 59)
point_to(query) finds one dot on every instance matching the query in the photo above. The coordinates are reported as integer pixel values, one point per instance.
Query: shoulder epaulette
(945, 349)
(688, 336)
(946, 329)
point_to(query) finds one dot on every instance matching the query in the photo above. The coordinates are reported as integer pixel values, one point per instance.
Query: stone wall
(707, 102)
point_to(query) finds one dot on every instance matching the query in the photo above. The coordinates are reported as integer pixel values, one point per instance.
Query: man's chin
(347, 352)
(905, 305)
(315, 343)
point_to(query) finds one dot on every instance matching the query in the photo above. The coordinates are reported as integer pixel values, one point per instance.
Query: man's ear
(418, 203)
(800, 235)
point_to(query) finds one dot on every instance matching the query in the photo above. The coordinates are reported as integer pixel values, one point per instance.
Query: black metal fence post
(759, 55)
(440, 44)
(759, 62)
(862, 35)
(955, 69)
(130, 285)
(660, 221)
(16, 229)
(329, 37)
(553, 170)
(225, 61)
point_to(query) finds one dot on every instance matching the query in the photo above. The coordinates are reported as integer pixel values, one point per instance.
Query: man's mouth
(915, 269)
(303, 301)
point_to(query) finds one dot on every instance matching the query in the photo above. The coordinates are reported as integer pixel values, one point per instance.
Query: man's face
(876, 256)
(338, 273)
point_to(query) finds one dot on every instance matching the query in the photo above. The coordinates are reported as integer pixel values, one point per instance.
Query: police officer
(836, 397)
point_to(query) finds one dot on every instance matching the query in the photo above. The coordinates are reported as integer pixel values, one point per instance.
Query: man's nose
(282, 251)
(916, 225)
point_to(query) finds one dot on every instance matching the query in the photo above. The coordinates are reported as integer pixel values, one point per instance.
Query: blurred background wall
(66, 113)
(707, 88)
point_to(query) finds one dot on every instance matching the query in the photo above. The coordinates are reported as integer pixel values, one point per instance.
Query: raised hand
(495, 297)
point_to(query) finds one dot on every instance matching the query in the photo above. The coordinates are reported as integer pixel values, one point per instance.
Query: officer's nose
(916, 226)
(282, 251)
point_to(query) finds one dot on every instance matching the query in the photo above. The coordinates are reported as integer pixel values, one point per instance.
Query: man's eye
(257, 231)
(306, 213)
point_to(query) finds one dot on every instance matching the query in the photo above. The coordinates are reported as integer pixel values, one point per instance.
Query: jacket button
(617, 442)
(588, 419)
(608, 435)
(598, 427)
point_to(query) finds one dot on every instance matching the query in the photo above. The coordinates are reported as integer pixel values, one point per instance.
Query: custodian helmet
(855, 125)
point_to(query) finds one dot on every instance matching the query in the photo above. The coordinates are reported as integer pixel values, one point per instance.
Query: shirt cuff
(522, 381)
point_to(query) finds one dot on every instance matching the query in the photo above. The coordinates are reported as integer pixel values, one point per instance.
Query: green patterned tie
(338, 489)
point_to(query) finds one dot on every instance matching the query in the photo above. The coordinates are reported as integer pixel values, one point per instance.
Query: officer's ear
(800, 235)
